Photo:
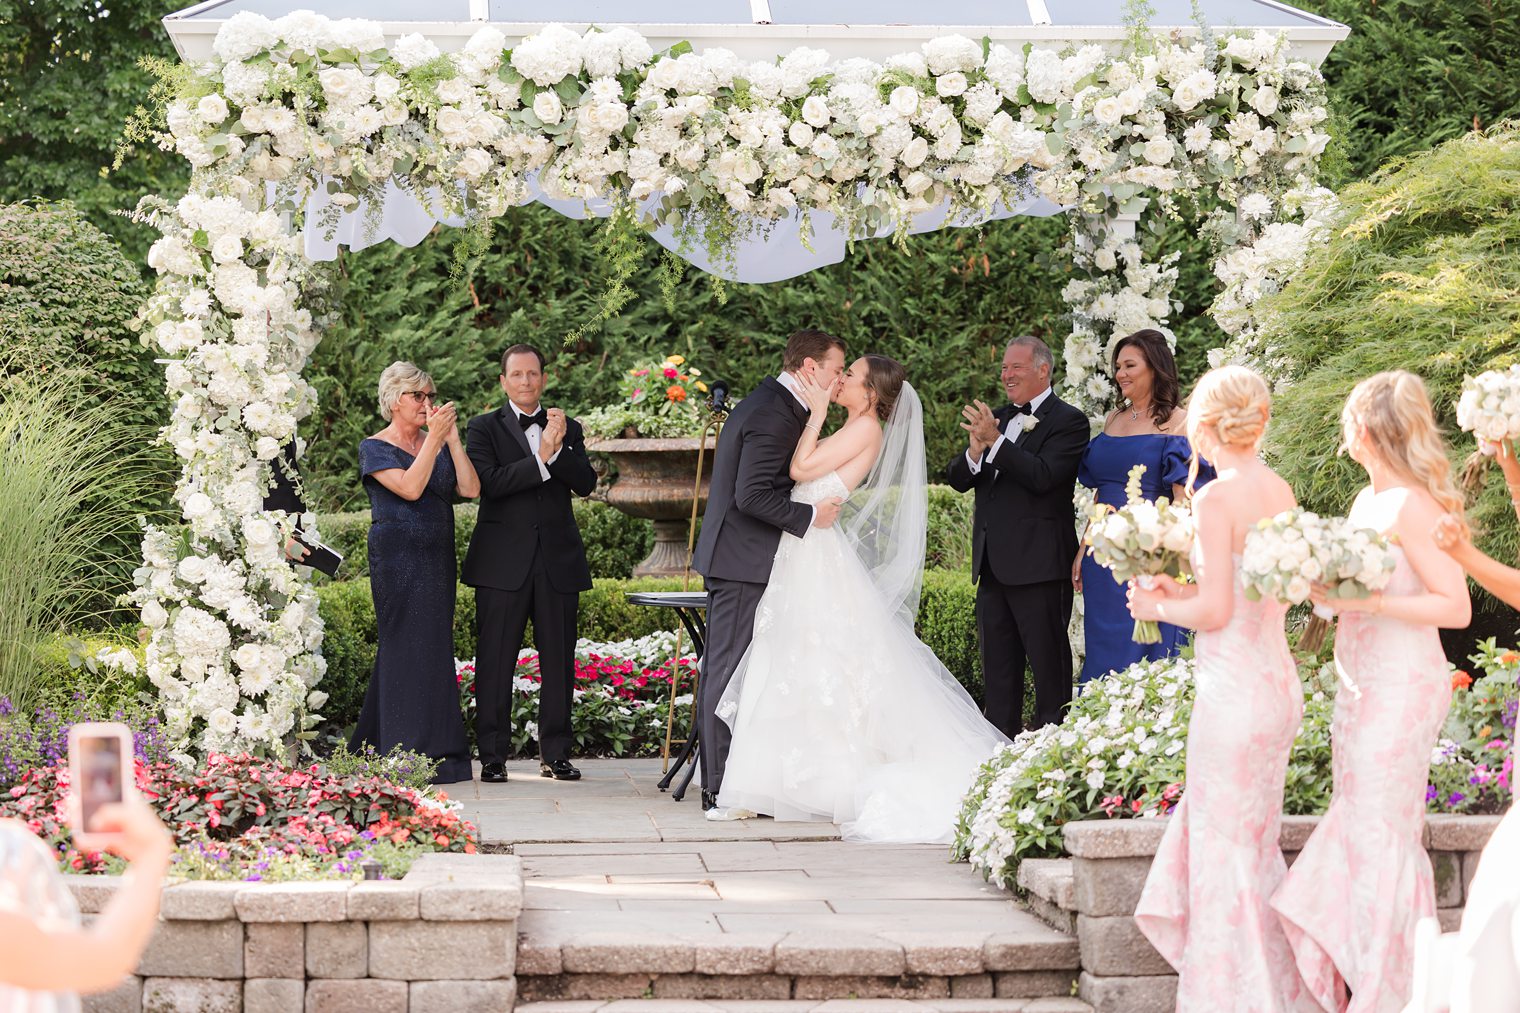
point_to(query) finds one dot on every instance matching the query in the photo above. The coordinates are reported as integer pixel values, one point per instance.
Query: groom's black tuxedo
(1023, 542)
(525, 561)
(748, 506)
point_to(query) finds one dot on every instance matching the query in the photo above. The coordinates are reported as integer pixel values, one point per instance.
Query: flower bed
(1121, 752)
(239, 817)
(622, 695)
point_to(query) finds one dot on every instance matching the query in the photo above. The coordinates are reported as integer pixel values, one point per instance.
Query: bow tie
(1021, 409)
(540, 419)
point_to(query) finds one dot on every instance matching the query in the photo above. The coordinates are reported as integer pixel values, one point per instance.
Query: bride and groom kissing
(817, 701)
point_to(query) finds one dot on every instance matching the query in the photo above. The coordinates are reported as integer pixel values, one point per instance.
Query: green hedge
(615, 542)
(946, 622)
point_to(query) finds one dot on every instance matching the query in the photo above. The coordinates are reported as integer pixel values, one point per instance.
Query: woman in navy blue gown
(412, 470)
(1150, 430)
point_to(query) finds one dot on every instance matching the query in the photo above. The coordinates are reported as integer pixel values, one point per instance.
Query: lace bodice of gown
(816, 489)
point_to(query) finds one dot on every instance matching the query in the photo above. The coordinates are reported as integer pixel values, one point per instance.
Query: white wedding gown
(838, 711)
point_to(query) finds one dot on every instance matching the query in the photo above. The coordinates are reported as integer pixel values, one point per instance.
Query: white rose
(474, 164)
(222, 721)
(197, 505)
(914, 153)
(1265, 101)
(345, 86)
(800, 134)
(386, 88)
(453, 91)
(816, 111)
(1159, 151)
(154, 616)
(227, 249)
(1104, 259)
(1107, 110)
(212, 109)
(547, 107)
(904, 100)
(951, 84)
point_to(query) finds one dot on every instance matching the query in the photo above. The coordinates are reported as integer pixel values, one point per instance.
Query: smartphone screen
(100, 769)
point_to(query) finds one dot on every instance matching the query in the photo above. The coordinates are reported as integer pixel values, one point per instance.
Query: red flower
(1460, 680)
(671, 373)
(675, 393)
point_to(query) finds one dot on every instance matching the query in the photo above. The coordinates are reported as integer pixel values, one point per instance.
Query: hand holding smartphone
(100, 773)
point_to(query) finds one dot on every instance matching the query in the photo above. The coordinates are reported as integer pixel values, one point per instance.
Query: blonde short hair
(398, 378)
(1401, 430)
(1232, 403)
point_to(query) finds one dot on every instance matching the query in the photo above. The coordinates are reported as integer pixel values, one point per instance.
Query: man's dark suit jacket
(748, 502)
(521, 515)
(1024, 531)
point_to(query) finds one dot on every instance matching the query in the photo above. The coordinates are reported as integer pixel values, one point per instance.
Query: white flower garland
(711, 143)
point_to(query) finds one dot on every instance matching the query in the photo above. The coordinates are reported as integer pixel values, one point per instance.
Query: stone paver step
(1046, 1005)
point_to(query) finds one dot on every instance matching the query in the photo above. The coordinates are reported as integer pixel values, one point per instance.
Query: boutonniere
(1024, 422)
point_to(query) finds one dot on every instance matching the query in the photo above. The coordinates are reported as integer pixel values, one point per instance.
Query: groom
(1022, 460)
(748, 506)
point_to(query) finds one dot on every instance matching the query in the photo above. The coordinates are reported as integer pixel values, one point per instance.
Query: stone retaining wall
(1121, 971)
(442, 939)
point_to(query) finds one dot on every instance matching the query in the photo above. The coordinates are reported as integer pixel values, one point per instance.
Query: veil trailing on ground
(886, 521)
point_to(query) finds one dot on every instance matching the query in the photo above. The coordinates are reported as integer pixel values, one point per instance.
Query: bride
(838, 711)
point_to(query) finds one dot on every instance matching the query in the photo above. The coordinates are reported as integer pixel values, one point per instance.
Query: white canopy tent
(752, 29)
(761, 29)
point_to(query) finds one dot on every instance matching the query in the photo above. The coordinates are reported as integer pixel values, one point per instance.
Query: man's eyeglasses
(419, 396)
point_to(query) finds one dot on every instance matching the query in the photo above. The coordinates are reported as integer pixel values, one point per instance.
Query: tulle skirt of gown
(1363, 880)
(840, 713)
(1205, 906)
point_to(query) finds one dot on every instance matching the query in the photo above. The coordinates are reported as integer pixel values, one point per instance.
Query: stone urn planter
(654, 481)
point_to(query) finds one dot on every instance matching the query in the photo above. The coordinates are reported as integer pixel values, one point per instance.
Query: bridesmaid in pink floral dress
(1352, 899)
(1205, 906)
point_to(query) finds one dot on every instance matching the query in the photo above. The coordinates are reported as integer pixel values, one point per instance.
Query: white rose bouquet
(1287, 555)
(1139, 540)
(1489, 406)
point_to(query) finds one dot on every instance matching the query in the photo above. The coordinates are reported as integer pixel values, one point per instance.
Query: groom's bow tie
(540, 419)
(1020, 409)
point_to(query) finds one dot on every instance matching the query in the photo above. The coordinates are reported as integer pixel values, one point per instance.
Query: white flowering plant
(1142, 539)
(303, 107)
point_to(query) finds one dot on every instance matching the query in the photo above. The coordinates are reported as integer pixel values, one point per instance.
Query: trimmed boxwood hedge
(946, 622)
(616, 542)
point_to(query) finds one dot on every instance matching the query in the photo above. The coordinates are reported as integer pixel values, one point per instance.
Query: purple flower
(1431, 793)
(1454, 798)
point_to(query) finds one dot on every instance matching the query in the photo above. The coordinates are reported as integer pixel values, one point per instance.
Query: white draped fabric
(775, 255)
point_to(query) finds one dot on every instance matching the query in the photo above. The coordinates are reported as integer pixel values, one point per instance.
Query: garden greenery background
(1412, 74)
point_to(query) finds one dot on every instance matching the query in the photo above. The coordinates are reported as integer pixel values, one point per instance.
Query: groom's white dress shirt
(535, 433)
(789, 381)
(976, 464)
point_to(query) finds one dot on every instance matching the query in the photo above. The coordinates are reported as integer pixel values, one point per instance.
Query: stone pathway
(633, 901)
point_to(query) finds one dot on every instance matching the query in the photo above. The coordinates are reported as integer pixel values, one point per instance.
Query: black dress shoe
(709, 801)
(493, 773)
(560, 770)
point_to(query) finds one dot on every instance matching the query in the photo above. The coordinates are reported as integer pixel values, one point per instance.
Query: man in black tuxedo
(526, 561)
(748, 506)
(1022, 461)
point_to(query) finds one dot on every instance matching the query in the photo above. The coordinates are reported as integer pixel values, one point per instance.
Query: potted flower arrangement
(653, 434)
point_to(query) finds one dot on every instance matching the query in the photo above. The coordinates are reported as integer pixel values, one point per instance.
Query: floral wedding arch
(295, 121)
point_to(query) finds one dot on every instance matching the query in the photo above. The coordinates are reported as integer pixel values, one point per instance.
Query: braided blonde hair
(1232, 403)
(1394, 409)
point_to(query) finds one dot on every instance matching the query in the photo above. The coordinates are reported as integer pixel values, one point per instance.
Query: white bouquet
(1489, 407)
(1290, 553)
(1139, 540)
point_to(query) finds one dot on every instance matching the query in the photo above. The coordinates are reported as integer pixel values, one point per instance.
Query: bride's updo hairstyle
(1229, 407)
(1393, 410)
(884, 380)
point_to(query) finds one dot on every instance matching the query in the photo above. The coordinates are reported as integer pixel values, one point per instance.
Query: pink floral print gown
(1205, 906)
(1352, 898)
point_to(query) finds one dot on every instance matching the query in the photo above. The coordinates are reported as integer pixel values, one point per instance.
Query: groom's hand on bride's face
(826, 512)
